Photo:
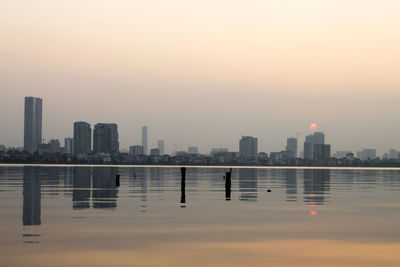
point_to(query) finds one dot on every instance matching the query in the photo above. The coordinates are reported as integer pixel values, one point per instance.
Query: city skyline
(131, 136)
(316, 137)
(215, 70)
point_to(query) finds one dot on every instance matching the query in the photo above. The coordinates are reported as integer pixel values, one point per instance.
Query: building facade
(312, 142)
(367, 154)
(308, 147)
(54, 146)
(291, 146)
(144, 140)
(248, 147)
(105, 138)
(32, 124)
(82, 138)
(161, 145)
(69, 146)
(155, 152)
(136, 150)
(321, 152)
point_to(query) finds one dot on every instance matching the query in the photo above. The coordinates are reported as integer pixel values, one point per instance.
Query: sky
(204, 73)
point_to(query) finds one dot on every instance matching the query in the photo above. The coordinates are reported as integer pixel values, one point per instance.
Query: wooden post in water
(228, 184)
(183, 183)
(117, 180)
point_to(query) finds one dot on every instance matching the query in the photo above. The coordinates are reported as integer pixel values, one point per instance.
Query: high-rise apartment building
(32, 124)
(69, 146)
(105, 138)
(321, 152)
(248, 147)
(160, 145)
(144, 139)
(82, 138)
(291, 146)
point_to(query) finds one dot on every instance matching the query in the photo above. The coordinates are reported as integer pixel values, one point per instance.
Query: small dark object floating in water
(269, 190)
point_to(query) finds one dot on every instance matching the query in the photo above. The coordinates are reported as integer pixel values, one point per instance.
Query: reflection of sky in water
(61, 212)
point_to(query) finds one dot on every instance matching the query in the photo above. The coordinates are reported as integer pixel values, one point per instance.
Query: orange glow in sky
(313, 127)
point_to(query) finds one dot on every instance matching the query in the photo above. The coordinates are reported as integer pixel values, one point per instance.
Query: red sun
(313, 127)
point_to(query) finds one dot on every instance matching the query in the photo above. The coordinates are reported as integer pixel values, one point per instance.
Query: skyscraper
(144, 139)
(32, 124)
(291, 146)
(248, 147)
(318, 138)
(308, 147)
(105, 138)
(82, 138)
(321, 152)
(160, 145)
(315, 148)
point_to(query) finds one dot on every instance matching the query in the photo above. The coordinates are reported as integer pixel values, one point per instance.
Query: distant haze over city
(204, 73)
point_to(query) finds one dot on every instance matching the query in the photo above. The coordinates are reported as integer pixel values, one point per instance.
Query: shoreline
(196, 166)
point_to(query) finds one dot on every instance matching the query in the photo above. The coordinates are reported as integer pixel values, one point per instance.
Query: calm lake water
(77, 216)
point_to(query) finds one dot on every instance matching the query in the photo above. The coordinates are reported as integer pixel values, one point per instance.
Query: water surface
(63, 216)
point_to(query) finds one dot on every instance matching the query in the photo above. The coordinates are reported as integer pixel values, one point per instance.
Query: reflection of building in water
(50, 177)
(156, 179)
(248, 184)
(138, 184)
(316, 186)
(138, 178)
(81, 184)
(32, 196)
(104, 187)
(68, 175)
(291, 184)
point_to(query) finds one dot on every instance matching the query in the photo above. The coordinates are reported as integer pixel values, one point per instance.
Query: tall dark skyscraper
(144, 140)
(82, 138)
(32, 124)
(105, 138)
(319, 138)
(315, 148)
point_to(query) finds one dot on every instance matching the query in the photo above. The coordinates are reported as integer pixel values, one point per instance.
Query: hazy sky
(204, 73)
